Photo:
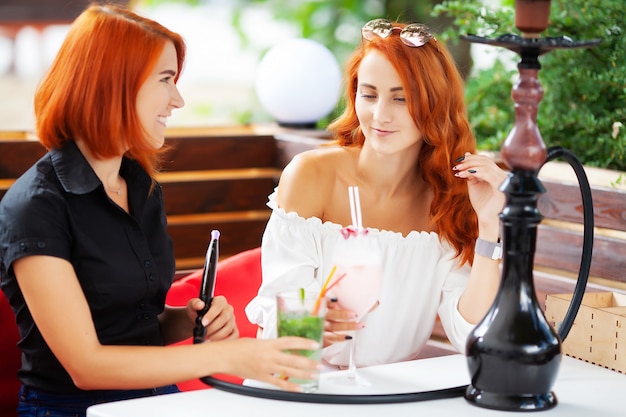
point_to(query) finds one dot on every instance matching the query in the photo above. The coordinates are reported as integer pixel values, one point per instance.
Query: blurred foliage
(337, 23)
(584, 103)
(489, 105)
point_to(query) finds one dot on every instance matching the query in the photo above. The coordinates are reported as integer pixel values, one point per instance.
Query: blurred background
(226, 40)
(583, 108)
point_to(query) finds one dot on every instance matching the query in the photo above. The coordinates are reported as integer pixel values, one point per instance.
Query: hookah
(514, 354)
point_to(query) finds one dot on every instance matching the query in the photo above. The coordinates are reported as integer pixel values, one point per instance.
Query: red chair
(238, 279)
(10, 359)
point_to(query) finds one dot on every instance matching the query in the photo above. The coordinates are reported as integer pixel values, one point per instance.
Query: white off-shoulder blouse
(421, 278)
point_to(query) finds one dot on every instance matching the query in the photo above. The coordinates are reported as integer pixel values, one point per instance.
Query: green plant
(489, 105)
(584, 101)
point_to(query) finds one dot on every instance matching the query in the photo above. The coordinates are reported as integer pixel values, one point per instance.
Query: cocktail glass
(299, 314)
(356, 284)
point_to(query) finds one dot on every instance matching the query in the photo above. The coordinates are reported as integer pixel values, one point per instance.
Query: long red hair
(435, 95)
(90, 91)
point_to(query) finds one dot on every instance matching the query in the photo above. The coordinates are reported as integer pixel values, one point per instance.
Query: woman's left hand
(484, 178)
(219, 320)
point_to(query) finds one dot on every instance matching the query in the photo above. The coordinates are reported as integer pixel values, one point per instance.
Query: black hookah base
(510, 402)
(513, 370)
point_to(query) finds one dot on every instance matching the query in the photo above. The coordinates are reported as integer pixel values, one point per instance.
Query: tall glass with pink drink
(356, 282)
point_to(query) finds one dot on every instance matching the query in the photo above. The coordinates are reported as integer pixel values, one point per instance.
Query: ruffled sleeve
(292, 259)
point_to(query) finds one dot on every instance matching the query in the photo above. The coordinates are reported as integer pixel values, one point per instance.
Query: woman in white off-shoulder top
(405, 141)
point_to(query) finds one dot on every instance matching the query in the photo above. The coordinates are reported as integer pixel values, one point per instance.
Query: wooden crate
(598, 334)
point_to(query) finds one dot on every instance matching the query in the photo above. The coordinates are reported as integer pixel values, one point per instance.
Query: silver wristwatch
(491, 250)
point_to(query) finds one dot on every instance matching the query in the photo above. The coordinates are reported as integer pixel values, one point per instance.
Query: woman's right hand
(267, 360)
(338, 323)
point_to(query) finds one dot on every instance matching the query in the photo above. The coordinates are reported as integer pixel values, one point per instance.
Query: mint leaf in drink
(310, 327)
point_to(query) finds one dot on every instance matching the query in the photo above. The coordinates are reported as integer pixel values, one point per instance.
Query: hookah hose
(588, 223)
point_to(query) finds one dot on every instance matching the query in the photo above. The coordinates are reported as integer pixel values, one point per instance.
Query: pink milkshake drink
(358, 277)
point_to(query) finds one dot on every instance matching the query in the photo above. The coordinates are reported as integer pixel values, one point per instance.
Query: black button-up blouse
(124, 261)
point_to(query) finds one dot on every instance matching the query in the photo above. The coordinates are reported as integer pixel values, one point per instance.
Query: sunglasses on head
(413, 35)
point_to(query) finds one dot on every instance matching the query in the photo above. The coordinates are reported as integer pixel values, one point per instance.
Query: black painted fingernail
(471, 171)
(333, 300)
(348, 337)
(459, 159)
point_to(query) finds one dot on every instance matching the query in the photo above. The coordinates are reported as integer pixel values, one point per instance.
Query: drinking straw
(322, 293)
(355, 213)
(352, 207)
(332, 272)
(325, 290)
(342, 276)
(355, 207)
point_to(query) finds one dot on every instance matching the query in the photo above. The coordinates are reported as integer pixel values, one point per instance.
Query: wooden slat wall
(560, 235)
(243, 148)
(17, 153)
(217, 180)
(211, 179)
(220, 178)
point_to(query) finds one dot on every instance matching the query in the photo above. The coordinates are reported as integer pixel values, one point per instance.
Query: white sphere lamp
(298, 82)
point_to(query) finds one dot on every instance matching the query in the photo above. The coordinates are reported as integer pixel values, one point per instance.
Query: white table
(582, 389)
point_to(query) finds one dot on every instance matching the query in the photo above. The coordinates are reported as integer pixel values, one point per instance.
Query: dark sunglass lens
(379, 27)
